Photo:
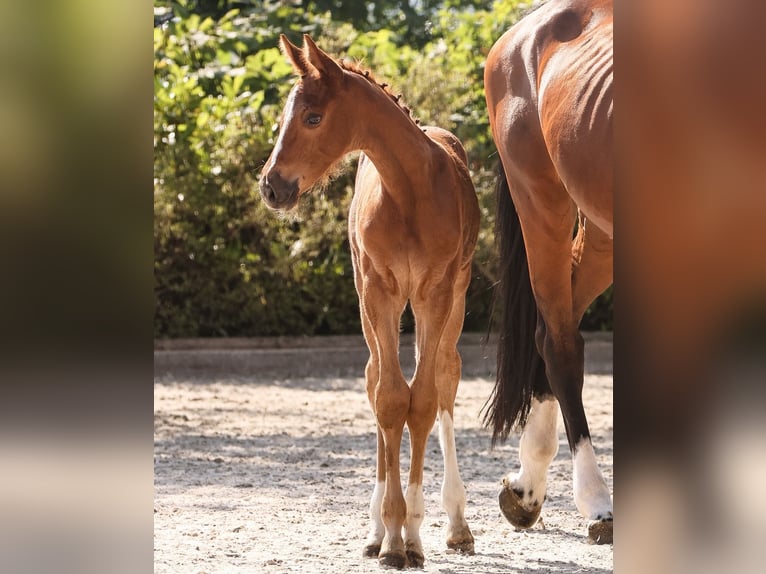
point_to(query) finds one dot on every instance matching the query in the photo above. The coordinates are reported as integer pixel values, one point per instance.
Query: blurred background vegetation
(226, 266)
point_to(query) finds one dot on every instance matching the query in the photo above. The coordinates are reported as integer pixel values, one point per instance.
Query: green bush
(224, 264)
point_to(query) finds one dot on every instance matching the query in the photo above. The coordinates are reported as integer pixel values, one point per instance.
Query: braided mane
(355, 67)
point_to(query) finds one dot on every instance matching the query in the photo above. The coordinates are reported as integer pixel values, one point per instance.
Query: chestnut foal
(412, 225)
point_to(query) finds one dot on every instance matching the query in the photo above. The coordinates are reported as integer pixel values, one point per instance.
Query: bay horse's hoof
(514, 512)
(371, 551)
(601, 531)
(396, 560)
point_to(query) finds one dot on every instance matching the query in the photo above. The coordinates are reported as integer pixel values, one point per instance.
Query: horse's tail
(520, 368)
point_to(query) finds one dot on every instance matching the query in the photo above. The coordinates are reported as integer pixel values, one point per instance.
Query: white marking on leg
(453, 491)
(537, 447)
(415, 514)
(377, 528)
(591, 493)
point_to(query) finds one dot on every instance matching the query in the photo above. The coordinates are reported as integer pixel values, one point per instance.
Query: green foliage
(598, 317)
(224, 264)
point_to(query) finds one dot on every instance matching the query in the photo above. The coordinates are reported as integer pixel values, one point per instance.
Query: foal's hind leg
(448, 370)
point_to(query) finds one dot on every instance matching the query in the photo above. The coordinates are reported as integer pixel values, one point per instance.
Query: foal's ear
(295, 55)
(324, 64)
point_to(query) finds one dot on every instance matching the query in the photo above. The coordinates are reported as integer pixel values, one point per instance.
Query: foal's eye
(312, 120)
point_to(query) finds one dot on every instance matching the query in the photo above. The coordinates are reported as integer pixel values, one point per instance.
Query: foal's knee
(371, 376)
(422, 410)
(392, 404)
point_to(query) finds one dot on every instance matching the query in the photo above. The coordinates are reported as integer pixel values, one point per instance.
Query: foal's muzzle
(277, 192)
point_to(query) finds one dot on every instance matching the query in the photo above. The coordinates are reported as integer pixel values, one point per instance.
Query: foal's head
(315, 131)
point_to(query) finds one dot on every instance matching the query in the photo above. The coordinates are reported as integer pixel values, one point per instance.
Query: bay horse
(413, 226)
(548, 85)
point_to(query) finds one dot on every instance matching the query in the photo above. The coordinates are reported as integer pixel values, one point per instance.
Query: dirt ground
(275, 476)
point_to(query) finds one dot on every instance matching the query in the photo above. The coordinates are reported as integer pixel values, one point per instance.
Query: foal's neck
(392, 140)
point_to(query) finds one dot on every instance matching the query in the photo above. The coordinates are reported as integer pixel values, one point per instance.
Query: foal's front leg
(391, 403)
(420, 421)
(387, 505)
(389, 397)
(431, 315)
(377, 529)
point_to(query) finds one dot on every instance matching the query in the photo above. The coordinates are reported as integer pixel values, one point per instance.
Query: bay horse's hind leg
(553, 272)
(523, 493)
(592, 274)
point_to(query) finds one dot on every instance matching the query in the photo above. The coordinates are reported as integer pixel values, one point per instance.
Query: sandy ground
(276, 475)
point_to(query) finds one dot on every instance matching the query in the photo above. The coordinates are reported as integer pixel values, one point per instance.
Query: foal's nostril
(267, 190)
(276, 192)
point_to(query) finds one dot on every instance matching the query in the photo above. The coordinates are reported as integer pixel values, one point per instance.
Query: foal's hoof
(461, 541)
(465, 547)
(514, 512)
(601, 531)
(396, 560)
(415, 558)
(371, 551)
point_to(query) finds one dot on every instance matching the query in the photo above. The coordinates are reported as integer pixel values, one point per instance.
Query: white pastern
(377, 529)
(415, 514)
(537, 447)
(453, 491)
(591, 493)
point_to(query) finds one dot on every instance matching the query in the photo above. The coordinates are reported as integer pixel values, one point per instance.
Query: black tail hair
(520, 368)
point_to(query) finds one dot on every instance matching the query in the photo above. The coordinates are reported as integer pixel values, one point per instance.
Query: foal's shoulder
(447, 140)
